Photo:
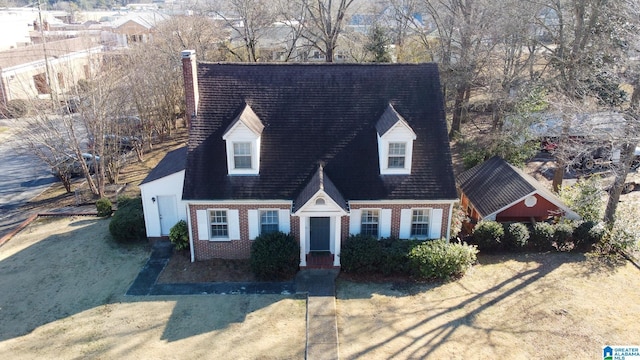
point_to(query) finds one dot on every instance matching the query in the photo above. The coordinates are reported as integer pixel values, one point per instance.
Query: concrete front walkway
(322, 328)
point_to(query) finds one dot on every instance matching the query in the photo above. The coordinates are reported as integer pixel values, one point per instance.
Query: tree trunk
(621, 170)
(457, 112)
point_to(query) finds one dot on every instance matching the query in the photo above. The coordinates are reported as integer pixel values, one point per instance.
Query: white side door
(168, 212)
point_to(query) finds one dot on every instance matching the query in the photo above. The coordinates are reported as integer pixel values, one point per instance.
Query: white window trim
(260, 211)
(378, 223)
(428, 213)
(436, 217)
(255, 157)
(383, 153)
(204, 225)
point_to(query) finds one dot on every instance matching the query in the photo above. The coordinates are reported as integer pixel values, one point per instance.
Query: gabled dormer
(242, 139)
(395, 143)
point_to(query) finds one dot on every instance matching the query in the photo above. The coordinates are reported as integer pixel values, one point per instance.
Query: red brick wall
(395, 214)
(241, 249)
(189, 70)
(234, 249)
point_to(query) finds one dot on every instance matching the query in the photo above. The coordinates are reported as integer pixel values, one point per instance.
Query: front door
(168, 213)
(319, 233)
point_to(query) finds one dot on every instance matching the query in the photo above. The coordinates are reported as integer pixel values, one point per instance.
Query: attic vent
(320, 201)
(530, 201)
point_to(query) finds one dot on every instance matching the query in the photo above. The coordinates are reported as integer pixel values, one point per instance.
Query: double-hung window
(397, 153)
(242, 155)
(268, 221)
(420, 223)
(370, 220)
(219, 224)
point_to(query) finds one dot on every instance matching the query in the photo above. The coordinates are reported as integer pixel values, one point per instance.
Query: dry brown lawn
(62, 286)
(535, 306)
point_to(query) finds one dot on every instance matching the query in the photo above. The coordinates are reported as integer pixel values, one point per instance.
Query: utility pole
(46, 58)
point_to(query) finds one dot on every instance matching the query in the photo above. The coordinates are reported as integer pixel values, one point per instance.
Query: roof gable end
(248, 119)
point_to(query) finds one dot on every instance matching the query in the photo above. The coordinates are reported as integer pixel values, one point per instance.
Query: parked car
(72, 166)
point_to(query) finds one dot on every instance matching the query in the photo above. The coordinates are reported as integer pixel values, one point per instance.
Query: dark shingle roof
(173, 162)
(495, 183)
(319, 113)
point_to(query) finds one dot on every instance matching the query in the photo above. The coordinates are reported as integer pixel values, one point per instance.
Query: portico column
(338, 240)
(303, 241)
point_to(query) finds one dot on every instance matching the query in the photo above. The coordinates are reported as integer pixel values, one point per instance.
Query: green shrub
(103, 207)
(516, 236)
(179, 235)
(587, 234)
(361, 254)
(275, 256)
(439, 259)
(563, 236)
(541, 236)
(488, 235)
(127, 224)
(395, 255)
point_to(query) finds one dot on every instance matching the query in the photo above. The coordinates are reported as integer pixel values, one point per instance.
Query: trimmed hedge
(563, 236)
(104, 207)
(127, 224)
(541, 238)
(361, 254)
(441, 260)
(516, 236)
(431, 259)
(587, 234)
(488, 236)
(179, 235)
(275, 256)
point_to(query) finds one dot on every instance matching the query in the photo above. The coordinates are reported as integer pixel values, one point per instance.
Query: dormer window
(397, 155)
(242, 155)
(243, 143)
(395, 143)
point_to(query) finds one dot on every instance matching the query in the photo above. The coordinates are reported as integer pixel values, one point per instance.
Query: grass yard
(535, 306)
(62, 285)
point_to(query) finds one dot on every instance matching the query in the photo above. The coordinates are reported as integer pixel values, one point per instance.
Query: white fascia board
(239, 202)
(401, 202)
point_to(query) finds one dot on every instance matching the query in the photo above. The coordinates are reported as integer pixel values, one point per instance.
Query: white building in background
(26, 73)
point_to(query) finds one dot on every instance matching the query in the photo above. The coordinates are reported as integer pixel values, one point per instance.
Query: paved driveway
(22, 177)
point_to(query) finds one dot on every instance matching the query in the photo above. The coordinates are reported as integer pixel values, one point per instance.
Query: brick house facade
(320, 151)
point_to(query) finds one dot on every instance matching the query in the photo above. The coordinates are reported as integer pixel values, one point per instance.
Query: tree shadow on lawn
(68, 273)
(460, 310)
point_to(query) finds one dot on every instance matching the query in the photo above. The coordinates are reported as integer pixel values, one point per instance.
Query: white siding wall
(168, 185)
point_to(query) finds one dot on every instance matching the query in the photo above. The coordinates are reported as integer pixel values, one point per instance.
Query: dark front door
(320, 233)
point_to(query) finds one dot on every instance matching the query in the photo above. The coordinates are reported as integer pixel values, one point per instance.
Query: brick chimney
(190, 73)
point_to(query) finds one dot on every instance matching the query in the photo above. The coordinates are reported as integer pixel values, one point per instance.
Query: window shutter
(203, 224)
(355, 219)
(384, 224)
(435, 223)
(405, 223)
(284, 221)
(254, 224)
(233, 219)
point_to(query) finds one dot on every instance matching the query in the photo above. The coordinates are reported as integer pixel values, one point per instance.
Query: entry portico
(319, 209)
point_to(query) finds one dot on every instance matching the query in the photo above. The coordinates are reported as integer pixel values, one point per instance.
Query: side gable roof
(496, 184)
(319, 113)
(172, 163)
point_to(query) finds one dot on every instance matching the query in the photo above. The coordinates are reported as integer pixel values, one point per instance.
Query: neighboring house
(137, 27)
(320, 151)
(496, 190)
(161, 193)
